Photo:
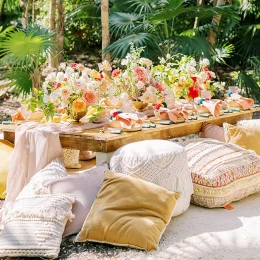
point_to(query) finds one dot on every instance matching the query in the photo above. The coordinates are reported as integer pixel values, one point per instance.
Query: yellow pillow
(128, 212)
(6, 150)
(248, 137)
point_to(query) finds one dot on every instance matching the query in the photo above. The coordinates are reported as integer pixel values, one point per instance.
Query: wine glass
(26, 113)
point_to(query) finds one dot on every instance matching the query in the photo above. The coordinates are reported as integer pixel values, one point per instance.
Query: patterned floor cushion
(158, 161)
(221, 172)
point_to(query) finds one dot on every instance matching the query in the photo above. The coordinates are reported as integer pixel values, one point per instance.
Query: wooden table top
(94, 140)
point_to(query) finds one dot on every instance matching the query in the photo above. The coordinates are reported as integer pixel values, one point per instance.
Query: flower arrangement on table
(72, 91)
(186, 77)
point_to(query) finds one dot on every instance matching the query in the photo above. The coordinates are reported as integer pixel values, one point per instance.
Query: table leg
(103, 157)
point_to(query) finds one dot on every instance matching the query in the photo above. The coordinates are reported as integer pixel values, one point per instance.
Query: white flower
(60, 77)
(146, 62)
(69, 71)
(62, 66)
(162, 60)
(46, 98)
(151, 89)
(190, 69)
(86, 72)
(51, 77)
(140, 84)
(204, 62)
(192, 62)
(65, 93)
(148, 97)
(124, 62)
(104, 66)
(182, 80)
(45, 86)
(55, 95)
(168, 56)
(124, 96)
(125, 75)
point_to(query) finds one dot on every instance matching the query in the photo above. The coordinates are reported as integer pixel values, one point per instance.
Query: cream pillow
(34, 226)
(247, 137)
(128, 212)
(6, 151)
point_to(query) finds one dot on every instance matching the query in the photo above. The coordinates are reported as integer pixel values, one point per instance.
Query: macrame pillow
(221, 172)
(158, 161)
(34, 226)
(71, 158)
(53, 170)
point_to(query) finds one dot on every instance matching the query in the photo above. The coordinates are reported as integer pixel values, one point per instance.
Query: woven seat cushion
(221, 172)
(158, 161)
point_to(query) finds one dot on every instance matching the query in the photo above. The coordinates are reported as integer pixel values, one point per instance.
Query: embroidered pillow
(221, 172)
(53, 170)
(85, 186)
(34, 226)
(6, 151)
(247, 137)
(209, 130)
(128, 212)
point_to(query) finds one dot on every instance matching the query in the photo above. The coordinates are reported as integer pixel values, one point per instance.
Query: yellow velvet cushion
(6, 150)
(128, 212)
(248, 137)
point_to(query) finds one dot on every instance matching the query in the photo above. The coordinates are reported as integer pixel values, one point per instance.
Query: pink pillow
(85, 186)
(209, 130)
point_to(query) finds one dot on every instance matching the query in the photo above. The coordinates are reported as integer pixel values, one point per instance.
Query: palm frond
(121, 47)
(222, 52)
(247, 82)
(135, 6)
(21, 80)
(190, 45)
(123, 23)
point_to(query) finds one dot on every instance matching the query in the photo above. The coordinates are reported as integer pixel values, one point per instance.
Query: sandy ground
(199, 233)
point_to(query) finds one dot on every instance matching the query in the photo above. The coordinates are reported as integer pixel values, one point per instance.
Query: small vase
(76, 116)
(139, 105)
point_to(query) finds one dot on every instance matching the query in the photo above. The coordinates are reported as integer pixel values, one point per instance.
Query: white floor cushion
(158, 161)
(253, 122)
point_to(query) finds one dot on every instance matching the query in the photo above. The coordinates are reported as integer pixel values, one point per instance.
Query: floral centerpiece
(186, 77)
(71, 91)
(136, 79)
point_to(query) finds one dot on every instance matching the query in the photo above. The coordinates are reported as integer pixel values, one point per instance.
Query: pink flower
(159, 86)
(73, 65)
(89, 97)
(141, 73)
(80, 66)
(115, 72)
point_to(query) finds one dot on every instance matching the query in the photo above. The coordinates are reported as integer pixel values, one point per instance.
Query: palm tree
(22, 52)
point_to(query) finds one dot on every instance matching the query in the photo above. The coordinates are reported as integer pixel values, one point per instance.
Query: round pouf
(158, 161)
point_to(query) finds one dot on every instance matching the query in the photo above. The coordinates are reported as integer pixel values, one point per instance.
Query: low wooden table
(106, 143)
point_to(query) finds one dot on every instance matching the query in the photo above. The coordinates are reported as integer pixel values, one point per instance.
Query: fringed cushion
(221, 172)
(34, 226)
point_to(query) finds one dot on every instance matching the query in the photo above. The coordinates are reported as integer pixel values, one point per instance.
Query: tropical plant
(159, 26)
(23, 52)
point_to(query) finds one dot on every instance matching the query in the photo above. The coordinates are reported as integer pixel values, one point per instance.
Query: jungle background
(35, 34)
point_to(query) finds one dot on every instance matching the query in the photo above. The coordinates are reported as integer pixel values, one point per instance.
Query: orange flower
(78, 105)
(89, 97)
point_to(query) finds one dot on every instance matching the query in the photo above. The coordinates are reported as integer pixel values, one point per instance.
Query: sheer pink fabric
(36, 145)
(213, 107)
